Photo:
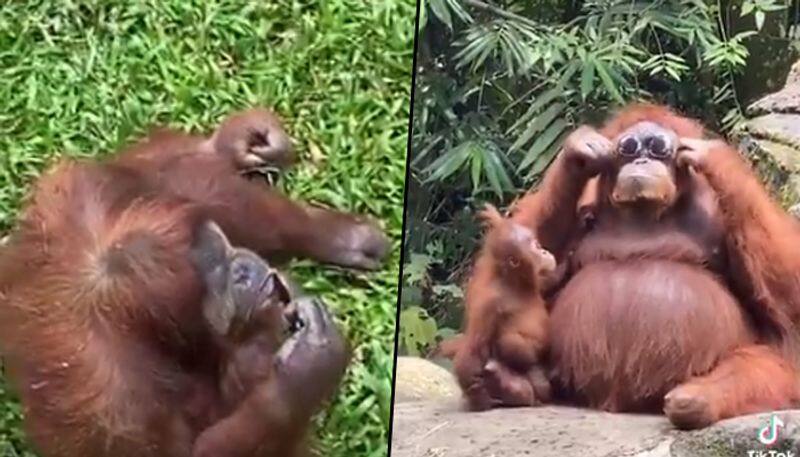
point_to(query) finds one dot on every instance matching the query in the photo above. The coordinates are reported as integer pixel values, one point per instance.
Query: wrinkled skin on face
(283, 355)
(645, 156)
(244, 293)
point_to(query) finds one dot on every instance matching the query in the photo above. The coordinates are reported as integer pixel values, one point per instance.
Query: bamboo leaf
(546, 158)
(567, 75)
(541, 121)
(587, 79)
(458, 9)
(541, 143)
(608, 82)
(496, 173)
(760, 16)
(538, 103)
(477, 168)
(450, 162)
(442, 12)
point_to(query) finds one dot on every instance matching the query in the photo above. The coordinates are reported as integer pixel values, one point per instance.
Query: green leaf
(608, 82)
(458, 9)
(415, 270)
(760, 16)
(477, 167)
(496, 173)
(485, 52)
(539, 102)
(539, 123)
(451, 290)
(448, 163)
(417, 330)
(546, 158)
(541, 143)
(475, 47)
(587, 79)
(442, 12)
(566, 76)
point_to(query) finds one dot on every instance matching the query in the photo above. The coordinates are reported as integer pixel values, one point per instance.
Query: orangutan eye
(628, 147)
(658, 147)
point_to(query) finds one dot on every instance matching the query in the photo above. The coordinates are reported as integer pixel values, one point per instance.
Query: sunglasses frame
(642, 145)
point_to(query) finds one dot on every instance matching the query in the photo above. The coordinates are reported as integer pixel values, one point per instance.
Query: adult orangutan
(133, 326)
(683, 294)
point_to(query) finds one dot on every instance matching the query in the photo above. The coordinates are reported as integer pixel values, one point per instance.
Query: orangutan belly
(624, 334)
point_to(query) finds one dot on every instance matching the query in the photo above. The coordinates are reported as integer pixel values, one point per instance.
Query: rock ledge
(442, 429)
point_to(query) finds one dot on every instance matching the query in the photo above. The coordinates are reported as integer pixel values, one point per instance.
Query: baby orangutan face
(543, 260)
(518, 255)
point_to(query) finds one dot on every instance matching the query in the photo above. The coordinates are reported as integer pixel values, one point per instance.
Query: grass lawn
(82, 78)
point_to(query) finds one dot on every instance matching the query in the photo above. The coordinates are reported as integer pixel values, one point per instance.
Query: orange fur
(706, 293)
(763, 241)
(664, 116)
(506, 315)
(748, 380)
(101, 326)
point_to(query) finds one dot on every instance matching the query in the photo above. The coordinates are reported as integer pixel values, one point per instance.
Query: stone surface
(771, 139)
(420, 379)
(786, 100)
(443, 429)
(795, 211)
(779, 129)
(735, 437)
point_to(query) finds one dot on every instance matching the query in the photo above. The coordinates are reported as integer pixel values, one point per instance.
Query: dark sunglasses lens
(658, 147)
(628, 147)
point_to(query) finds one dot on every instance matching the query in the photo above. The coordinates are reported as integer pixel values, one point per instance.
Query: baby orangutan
(497, 360)
(267, 336)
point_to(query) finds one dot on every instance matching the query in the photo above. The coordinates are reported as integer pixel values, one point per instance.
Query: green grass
(82, 78)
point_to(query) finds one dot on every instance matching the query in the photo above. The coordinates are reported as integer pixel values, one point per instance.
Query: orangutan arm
(552, 211)
(763, 241)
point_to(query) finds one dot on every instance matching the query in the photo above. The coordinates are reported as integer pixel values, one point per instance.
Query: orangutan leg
(750, 379)
(508, 387)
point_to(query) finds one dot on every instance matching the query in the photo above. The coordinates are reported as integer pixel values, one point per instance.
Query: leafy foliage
(84, 77)
(500, 84)
(417, 330)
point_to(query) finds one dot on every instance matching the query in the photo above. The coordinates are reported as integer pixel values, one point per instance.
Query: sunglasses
(656, 146)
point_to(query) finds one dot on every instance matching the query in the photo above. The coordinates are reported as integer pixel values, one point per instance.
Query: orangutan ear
(211, 254)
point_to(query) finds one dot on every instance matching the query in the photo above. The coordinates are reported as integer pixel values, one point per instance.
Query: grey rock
(738, 436)
(786, 100)
(420, 379)
(444, 429)
(782, 129)
(795, 211)
(771, 139)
